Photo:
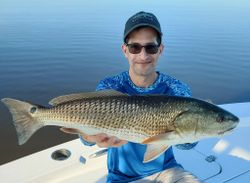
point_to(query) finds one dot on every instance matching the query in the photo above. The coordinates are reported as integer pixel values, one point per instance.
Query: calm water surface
(51, 48)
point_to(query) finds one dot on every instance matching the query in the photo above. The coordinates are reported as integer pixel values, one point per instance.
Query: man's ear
(124, 50)
(161, 48)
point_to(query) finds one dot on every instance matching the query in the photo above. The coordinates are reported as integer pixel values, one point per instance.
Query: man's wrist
(86, 142)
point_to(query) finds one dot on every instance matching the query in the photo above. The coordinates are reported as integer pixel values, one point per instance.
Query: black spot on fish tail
(33, 109)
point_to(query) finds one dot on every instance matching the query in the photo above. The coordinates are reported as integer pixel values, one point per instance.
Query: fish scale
(107, 112)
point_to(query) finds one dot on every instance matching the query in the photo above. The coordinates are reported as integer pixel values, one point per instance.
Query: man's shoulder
(164, 78)
(113, 82)
(176, 86)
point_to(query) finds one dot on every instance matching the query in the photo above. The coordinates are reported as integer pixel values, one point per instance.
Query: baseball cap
(141, 19)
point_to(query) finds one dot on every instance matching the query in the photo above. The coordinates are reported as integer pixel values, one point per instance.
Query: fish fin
(77, 96)
(22, 114)
(74, 131)
(209, 101)
(206, 100)
(70, 130)
(153, 151)
(161, 137)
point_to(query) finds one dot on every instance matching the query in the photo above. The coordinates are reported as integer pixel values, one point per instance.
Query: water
(51, 48)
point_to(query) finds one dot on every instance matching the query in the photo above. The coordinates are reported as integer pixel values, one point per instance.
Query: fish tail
(22, 114)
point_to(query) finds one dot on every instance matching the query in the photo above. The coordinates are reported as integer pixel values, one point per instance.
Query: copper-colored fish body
(153, 119)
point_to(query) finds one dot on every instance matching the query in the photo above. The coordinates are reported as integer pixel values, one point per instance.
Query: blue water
(50, 48)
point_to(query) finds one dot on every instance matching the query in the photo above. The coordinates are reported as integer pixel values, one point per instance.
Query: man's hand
(102, 139)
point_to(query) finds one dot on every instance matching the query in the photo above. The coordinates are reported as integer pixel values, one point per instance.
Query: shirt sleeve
(181, 89)
(86, 143)
(186, 146)
(109, 83)
(103, 85)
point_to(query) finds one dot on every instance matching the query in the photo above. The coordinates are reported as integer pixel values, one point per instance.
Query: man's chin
(145, 73)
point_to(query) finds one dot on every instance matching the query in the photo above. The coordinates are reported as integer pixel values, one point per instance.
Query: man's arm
(102, 140)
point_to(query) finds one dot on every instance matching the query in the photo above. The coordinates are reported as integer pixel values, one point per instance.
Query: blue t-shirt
(125, 163)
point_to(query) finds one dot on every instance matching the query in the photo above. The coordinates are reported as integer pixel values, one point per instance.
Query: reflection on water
(58, 47)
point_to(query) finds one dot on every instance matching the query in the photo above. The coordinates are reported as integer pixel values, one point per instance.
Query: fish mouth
(230, 130)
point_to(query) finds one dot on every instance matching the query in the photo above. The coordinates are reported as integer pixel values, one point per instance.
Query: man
(142, 47)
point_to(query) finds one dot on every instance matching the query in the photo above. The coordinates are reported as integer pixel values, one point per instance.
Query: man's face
(143, 63)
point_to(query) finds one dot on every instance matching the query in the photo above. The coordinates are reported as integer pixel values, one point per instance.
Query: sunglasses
(136, 48)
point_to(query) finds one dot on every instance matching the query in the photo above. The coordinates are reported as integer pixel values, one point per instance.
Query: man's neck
(143, 80)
